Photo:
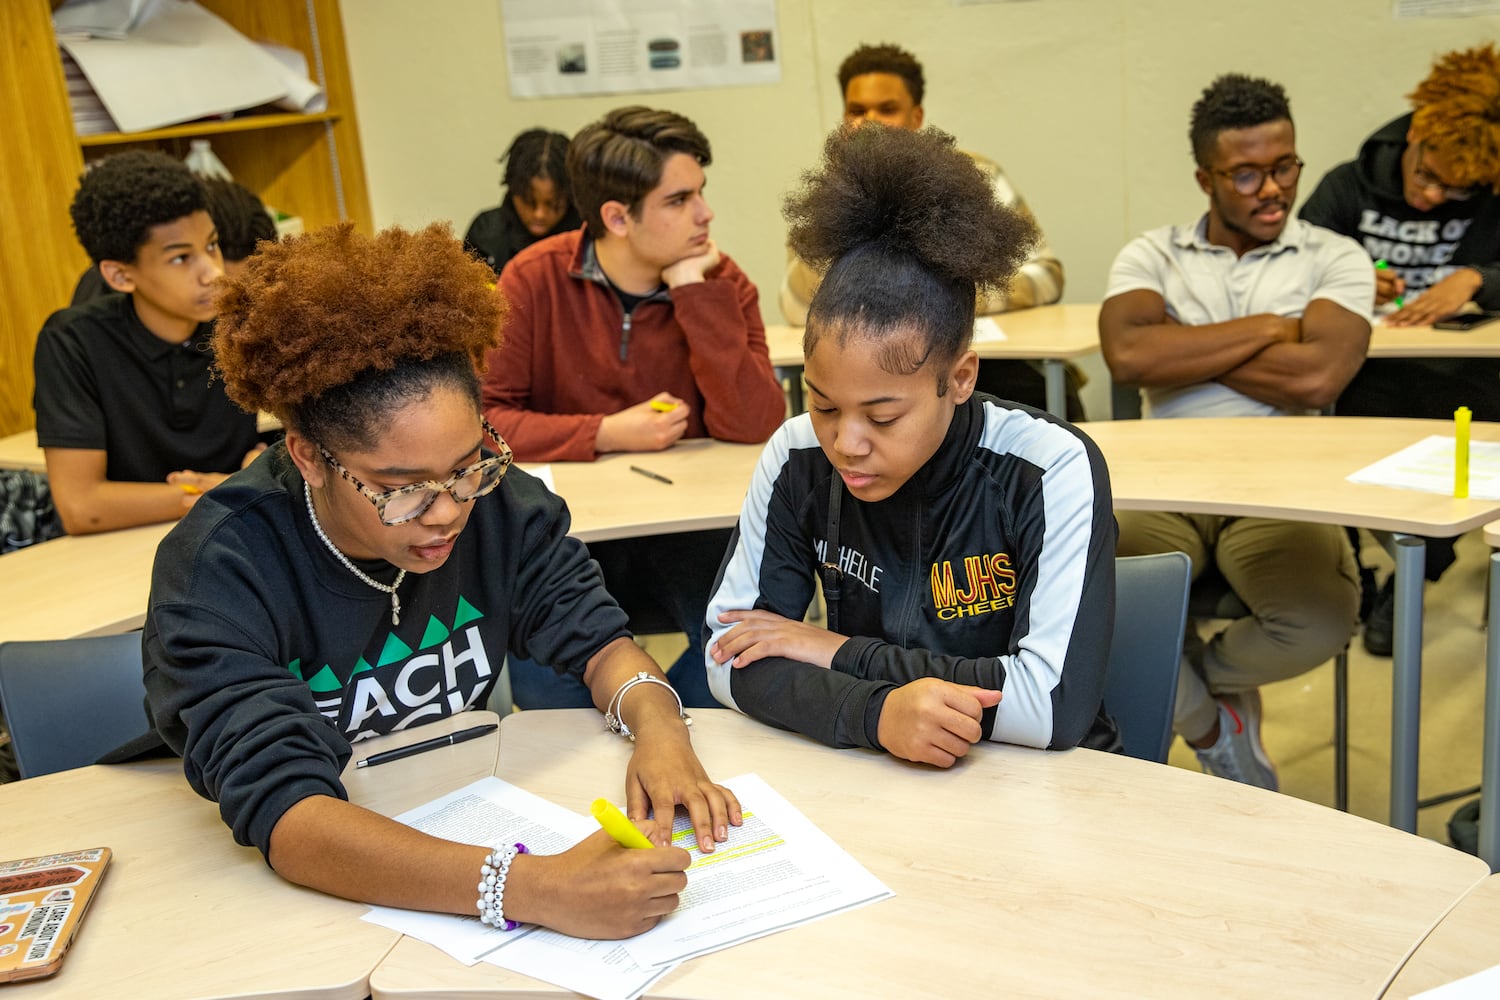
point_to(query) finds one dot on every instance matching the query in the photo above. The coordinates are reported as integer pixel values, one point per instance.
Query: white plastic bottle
(202, 161)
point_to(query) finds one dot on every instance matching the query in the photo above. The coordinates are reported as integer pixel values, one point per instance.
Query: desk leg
(1489, 821)
(1406, 680)
(1055, 372)
(792, 376)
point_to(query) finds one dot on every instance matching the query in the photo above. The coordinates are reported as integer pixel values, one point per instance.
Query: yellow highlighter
(1461, 452)
(189, 489)
(662, 406)
(615, 824)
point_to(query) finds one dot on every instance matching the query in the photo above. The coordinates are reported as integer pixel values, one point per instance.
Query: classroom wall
(1084, 102)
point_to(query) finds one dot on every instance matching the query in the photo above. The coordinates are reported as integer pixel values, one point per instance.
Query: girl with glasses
(370, 573)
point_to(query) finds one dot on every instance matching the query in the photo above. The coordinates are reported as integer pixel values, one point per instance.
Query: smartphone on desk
(1464, 321)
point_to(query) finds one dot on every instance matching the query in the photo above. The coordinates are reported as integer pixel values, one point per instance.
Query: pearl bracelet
(492, 887)
(612, 714)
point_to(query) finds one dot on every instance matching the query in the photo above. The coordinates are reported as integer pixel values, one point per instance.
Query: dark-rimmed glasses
(405, 503)
(1248, 180)
(1429, 182)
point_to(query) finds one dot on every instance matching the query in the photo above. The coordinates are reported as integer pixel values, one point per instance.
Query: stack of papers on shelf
(775, 872)
(158, 64)
(90, 117)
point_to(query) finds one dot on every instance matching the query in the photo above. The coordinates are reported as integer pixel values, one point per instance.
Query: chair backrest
(1140, 689)
(70, 701)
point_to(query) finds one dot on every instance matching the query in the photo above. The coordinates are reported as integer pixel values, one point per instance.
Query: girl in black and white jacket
(966, 544)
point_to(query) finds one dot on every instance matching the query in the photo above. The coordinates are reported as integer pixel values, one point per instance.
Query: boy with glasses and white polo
(1246, 312)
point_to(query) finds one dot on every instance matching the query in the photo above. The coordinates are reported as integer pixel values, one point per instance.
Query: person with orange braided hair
(1423, 199)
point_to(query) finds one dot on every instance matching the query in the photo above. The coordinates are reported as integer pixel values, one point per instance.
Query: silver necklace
(385, 588)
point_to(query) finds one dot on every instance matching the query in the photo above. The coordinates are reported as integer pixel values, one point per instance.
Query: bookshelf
(306, 165)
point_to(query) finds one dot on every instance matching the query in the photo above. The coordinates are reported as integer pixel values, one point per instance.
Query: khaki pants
(1298, 580)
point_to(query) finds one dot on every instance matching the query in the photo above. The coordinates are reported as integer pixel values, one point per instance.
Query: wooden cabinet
(305, 165)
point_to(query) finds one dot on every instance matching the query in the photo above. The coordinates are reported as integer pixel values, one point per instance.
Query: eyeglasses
(1428, 181)
(409, 502)
(1248, 180)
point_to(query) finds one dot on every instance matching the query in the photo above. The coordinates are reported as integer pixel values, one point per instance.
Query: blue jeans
(663, 583)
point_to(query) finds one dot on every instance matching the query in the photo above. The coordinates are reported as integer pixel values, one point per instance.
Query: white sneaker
(1239, 754)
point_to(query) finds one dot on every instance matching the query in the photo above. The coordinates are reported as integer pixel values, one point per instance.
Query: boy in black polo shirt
(132, 423)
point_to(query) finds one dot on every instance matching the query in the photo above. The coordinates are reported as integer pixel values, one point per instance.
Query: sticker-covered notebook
(42, 903)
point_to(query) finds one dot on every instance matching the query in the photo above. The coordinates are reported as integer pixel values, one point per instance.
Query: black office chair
(70, 701)
(1140, 689)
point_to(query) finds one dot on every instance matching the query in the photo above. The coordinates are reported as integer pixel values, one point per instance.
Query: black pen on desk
(651, 475)
(432, 744)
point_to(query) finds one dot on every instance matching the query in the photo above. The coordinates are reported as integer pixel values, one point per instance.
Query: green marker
(1398, 301)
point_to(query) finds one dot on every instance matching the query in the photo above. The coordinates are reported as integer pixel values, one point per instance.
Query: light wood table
(1053, 335)
(1462, 944)
(1294, 468)
(99, 584)
(608, 500)
(186, 912)
(1022, 873)
(20, 450)
(79, 585)
(1426, 342)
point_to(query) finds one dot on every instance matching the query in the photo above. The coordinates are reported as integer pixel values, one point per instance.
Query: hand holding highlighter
(618, 826)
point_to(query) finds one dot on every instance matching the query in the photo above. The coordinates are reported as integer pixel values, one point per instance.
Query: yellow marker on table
(662, 406)
(1461, 452)
(615, 823)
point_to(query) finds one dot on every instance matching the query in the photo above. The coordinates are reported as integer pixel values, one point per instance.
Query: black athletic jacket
(993, 566)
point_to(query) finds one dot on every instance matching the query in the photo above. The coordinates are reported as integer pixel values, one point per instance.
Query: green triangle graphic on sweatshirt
(436, 633)
(394, 650)
(360, 666)
(466, 613)
(324, 681)
(296, 668)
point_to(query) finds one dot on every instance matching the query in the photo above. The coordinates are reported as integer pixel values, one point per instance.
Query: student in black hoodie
(369, 573)
(1423, 198)
(537, 204)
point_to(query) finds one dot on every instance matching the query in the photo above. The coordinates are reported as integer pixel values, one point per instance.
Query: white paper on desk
(544, 473)
(987, 331)
(775, 872)
(178, 64)
(1480, 986)
(1428, 466)
(487, 812)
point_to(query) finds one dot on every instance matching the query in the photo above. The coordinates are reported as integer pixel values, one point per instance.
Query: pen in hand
(461, 736)
(1399, 301)
(651, 475)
